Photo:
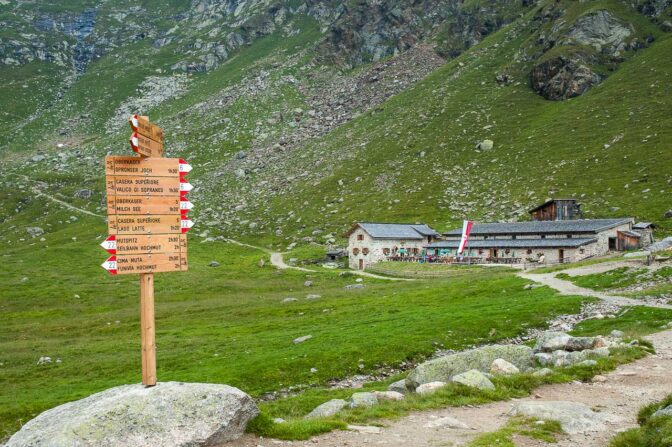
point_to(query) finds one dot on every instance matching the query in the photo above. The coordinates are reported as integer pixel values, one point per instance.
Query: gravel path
(565, 287)
(619, 397)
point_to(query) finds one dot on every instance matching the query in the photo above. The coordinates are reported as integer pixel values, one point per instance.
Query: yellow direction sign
(141, 125)
(127, 185)
(139, 224)
(145, 146)
(147, 205)
(134, 244)
(146, 263)
(149, 167)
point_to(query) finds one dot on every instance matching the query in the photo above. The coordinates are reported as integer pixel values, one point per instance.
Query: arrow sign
(145, 146)
(110, 245)
(185, 205)
(110, 265)
(142, 126)
(186, 225)
(184, 166)
(185, 186)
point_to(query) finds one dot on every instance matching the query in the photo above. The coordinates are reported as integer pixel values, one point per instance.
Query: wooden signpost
(147, 221)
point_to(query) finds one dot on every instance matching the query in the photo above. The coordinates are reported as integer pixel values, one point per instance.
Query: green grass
(653, 432)
(224, 324)
(546, 431)
(633, 321)
(620, 278)
(417, 270)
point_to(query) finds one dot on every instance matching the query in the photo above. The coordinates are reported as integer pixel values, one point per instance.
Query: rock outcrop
(169, 414)
(574, 417)
(443, 369)
(562, 78)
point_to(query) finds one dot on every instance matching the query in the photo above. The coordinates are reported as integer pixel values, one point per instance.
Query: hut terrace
(544, 241)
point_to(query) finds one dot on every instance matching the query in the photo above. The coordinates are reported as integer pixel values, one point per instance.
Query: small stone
(363, 400)
(367, 429)
(298, 340)
(388, 395)
(327, 409)
(446, 422)
(587, 363)
(599, 379)
(354, 286)
(543, 372)
(429, 388)
(617, 334)
(289, 300)
(44, 360)
(359, 280)
(501, 366)
(475, 379)
(313, 370)
(312, 296)
(399, 386)
(279, 420)
(308, 284)
(214, 264)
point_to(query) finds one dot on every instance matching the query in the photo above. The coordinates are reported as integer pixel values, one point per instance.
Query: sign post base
(147, 329)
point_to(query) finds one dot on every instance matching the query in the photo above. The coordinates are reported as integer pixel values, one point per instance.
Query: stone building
(645, 230)
(369, 243)
(557, 209)
(544, 241)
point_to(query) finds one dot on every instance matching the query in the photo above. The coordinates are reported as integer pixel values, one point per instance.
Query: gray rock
(399, 386)
(667, 411)
(388, 395)
(298, 340)
(308, 283)
(430, 387)
(35, 231)
(354, 286)
(289, 300)
(543, 372)
(485, 145)
(474, 379)
(587, 363)
(444, 368)
(327, 409)
(574, 417)
(501, 366)
(214, 264)
(553, 341)
(363, 400)
(168, 414)
(446, 422)
(579, 343)
(312, 296)
(44, 360)
(617, 334)
(544, 358)
(601, 31)
(661, 245)
(83, 193)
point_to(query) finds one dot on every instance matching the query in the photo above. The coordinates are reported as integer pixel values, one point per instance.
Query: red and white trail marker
(185, 186)
(185, 205)
(186, 225)
(184, 167)
(110, 265)
(110, 244)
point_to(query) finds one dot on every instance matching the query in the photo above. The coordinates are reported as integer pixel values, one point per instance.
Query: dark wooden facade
(557, 209)
(628, 240)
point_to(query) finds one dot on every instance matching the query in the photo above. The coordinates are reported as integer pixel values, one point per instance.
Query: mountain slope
(289, 148)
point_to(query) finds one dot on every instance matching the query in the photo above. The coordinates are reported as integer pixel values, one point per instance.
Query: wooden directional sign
(148, 167)
(147, 205)
(141, 125)
(145, 146)
(146, 263)
(141, 224)
(152, 243)
(127, 185)
(147, 218)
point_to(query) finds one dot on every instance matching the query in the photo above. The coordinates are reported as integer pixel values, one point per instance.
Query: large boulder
(553, 341)
(443, 369)
(602, 31)
(574, 417)
(562, 77)
(168, 414)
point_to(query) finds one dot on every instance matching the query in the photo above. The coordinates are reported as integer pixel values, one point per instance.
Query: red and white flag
(466, 229)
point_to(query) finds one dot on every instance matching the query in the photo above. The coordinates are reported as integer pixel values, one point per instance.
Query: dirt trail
(565, 287)
(625, 390)
(39, 192)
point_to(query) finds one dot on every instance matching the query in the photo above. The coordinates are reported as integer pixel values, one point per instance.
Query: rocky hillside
(301, 117)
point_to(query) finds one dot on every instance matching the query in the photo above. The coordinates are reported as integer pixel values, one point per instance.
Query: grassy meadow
(226, 324)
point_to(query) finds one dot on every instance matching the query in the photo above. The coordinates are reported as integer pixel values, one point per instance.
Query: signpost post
(147, 221)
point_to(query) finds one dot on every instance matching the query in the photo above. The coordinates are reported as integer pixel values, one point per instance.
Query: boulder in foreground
(168, 414)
